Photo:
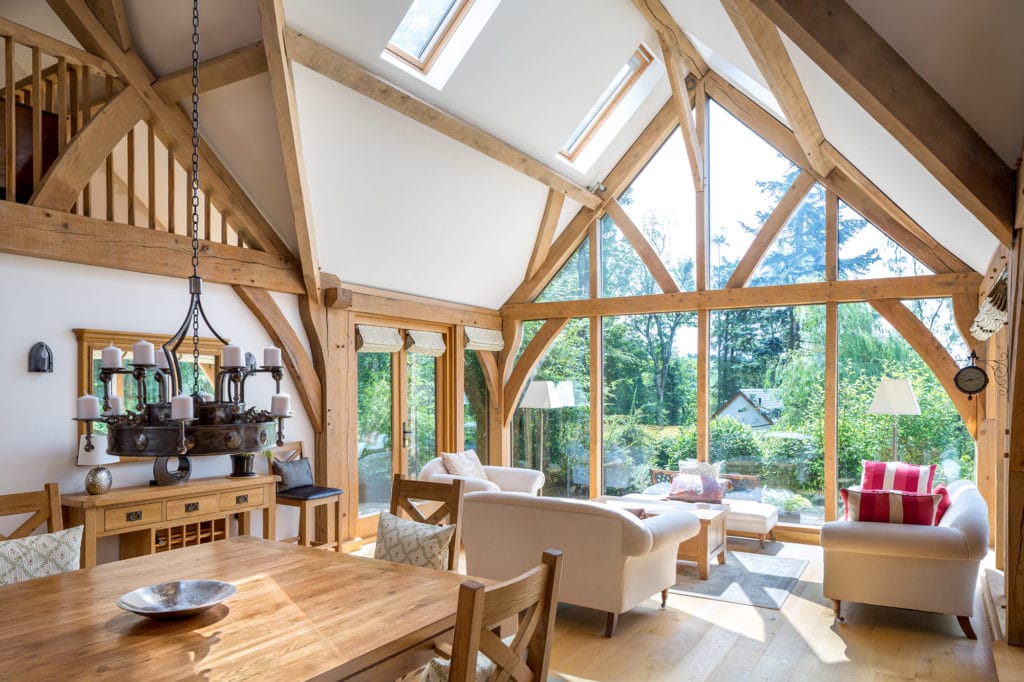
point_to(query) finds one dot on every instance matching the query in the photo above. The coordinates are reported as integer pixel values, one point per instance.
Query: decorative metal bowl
(176, 599)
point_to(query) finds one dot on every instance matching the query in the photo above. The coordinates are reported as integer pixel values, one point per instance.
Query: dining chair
(24, 556)
(406, 496)
(478, 653)
(296, 489)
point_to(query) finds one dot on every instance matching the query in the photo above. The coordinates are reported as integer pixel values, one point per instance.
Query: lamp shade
(894, 396)
(566, 393)
(541, 394)
(98, 455)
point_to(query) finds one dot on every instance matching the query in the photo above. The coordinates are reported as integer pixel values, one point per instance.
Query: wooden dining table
(298, 614)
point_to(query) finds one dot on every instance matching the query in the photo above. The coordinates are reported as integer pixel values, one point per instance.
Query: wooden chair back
(532, 598)
(404, 491)
(287, 452)
(44, 505)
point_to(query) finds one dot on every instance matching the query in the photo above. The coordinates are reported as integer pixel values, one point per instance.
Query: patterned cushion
(294, 474)
(909, 478)
(944, 502)
(702, 469)
(38, 556)
(890, 506)
(438, 669)
(692, 488)
(465, 464)
(410, 542)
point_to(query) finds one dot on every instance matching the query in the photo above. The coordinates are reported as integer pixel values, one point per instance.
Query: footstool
(744, 517)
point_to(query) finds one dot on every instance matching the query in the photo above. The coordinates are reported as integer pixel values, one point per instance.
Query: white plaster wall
(44, 300)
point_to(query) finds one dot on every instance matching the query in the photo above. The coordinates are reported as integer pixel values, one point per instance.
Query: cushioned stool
(296, 489)
(744, 517)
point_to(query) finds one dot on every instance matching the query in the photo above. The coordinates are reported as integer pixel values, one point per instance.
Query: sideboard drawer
(184, 507)
(241, 499)
(132, 515)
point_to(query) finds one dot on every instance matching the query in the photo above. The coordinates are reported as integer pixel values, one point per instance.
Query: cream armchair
(613, 560)
(925, 568)
(504, 479)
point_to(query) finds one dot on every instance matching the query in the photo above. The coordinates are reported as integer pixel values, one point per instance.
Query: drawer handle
(241, 499)
(134, 515)
(192, 506)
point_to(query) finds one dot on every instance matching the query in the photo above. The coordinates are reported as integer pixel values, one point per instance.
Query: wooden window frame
(646, 59)
(437, 42)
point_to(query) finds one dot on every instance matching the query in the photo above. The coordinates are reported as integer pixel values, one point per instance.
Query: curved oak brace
(68, 175)
(643, 248)
(296, 359)
(529, 360)
(932, 352)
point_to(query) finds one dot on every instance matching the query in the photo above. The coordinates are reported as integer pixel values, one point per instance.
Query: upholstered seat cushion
(410, 542)
(38, 556)
(439, 669)
(308, 492)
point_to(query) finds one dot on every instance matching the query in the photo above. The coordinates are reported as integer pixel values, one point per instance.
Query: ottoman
(744, 517)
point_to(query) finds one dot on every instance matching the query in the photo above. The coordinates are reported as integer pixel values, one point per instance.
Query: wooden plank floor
(702, 639)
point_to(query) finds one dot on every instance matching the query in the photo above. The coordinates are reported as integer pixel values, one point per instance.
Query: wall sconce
(40, 358)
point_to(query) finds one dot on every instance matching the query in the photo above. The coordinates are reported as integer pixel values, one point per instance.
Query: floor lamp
(546, 395)
(895, 397)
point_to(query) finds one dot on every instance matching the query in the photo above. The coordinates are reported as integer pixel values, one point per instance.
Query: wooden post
(831, 425)
(10, 114)
(151, 179)
(131, 176)
(37, 119)
(596, 369)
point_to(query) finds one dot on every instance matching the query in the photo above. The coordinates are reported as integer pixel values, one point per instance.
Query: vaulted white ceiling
(399, 206)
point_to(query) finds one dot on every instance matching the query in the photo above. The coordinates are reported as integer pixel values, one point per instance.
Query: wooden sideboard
(150, 519)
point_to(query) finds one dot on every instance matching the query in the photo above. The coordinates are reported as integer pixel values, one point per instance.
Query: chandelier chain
(195, 188)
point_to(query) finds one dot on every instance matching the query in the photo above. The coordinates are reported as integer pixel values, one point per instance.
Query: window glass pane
(798, 252)
(420, 24)
(572, 283)
(865, 251)
(374, 425)
(530, 329)
(767, 403)
(622, 271)
(421, 442)
(870, 350)
(620, 84)
(741, 171)
(650, 399)
(475, 404)
(551, 426)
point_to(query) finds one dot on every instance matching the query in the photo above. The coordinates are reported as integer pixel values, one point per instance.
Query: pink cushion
(693, 488)
(944, 502)
(890, 506)
(909, 478)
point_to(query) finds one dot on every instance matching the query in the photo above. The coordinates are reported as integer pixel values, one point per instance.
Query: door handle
(406, 432)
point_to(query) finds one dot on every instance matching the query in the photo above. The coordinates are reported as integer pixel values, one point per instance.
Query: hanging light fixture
(992, 313)
(185, 421)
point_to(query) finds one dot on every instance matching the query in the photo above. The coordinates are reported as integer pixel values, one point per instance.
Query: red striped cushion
(909, 478)
(890, 506)
(944, 502)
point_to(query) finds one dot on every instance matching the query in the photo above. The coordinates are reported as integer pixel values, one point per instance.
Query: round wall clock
(971, 379)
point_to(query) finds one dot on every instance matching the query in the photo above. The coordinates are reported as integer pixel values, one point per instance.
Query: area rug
(745, 578)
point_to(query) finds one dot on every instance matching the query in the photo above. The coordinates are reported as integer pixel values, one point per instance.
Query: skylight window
(425, 29)
(606, 103)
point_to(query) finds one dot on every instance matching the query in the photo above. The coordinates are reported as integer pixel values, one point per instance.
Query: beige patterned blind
(484, 339)
(424, 343)
(370, 339)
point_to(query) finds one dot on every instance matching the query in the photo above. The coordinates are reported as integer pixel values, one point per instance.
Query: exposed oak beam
(327, 62)
(663, 23)
(360, 299)
(78, 162)
(846, 291)
(765, 45)
(298, 362)
(526, 364)
(285, 110)
(43, 233)
(111, 15)
(545, 233)
(643, 248)
(839, 41)
(932, 352)
(175, 126)
(684, 111)
(216, 72)
(770, 230)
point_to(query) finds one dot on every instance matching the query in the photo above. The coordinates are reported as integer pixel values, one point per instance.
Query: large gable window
(425, 29)
(627, 76)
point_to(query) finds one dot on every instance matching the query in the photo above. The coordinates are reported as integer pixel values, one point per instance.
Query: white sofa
(612, 560)
(505, 479)
(926, 568)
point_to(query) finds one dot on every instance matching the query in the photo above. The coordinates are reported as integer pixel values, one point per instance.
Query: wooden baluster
(151, 180)
(224, 227)
(108, 94)
(10, 109)
(170, 190)
(206, 232)
(62, 103)
(37, 118)
(131, 176)
(74, 112)
(85, 87)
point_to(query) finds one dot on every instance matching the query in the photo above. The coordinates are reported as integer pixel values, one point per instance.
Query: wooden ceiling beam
(766, 47)
(684, 111)
(845, 46)
(546, 232)
(368, 300)
(337, 67)
(215, 72)
(174, 125)
(53, 235)
(286, 112)
(663, 24)
(811, 293)
(638, 240)
(111, 15)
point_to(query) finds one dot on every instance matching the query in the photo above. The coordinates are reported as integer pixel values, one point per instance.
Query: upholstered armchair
(504, 479)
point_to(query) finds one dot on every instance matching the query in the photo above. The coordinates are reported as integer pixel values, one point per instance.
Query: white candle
(116, 405)
(181, 407)
(89, 407)
(142, 353)
(233, 356)
(271, 357)
(161, 359)
(280, 405)
(111, 357)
